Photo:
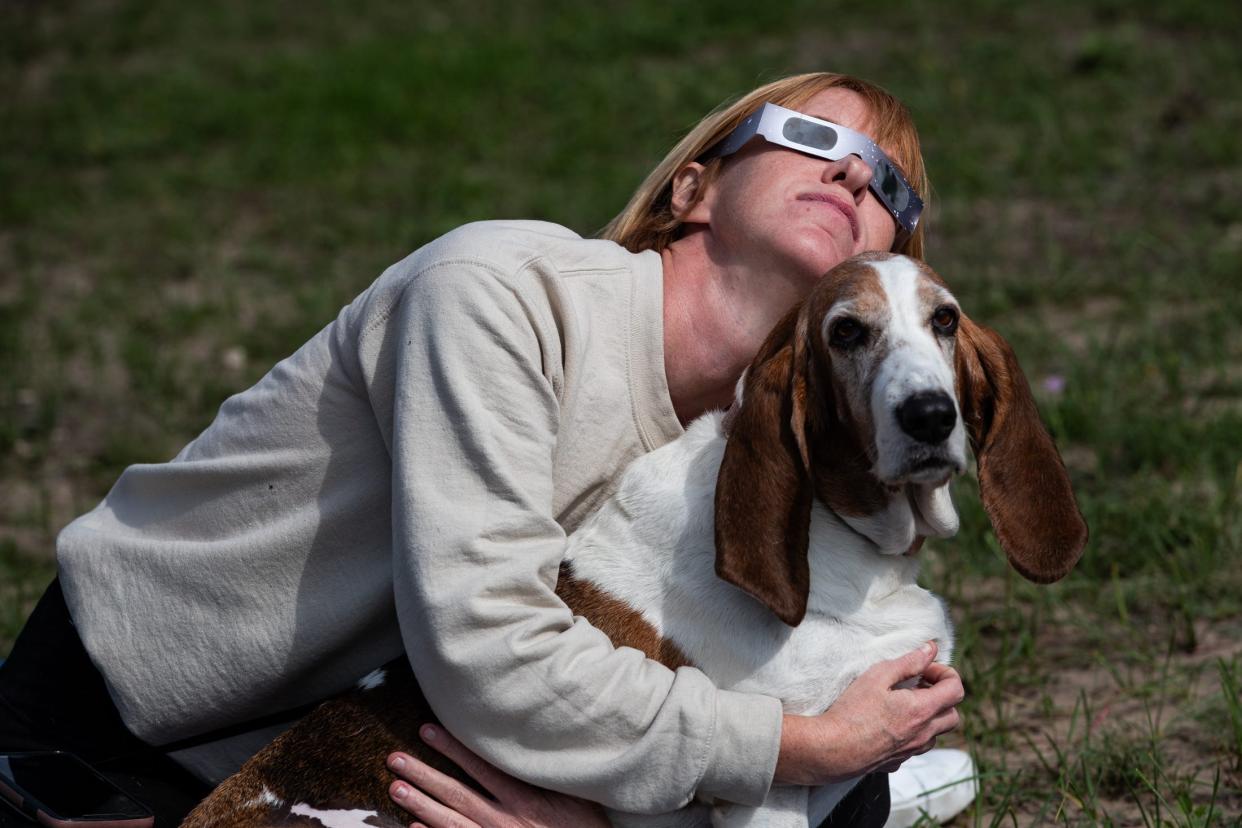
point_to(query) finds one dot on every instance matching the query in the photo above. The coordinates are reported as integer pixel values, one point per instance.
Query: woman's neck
(712, 325)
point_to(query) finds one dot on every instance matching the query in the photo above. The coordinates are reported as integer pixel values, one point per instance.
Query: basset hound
(771, 546)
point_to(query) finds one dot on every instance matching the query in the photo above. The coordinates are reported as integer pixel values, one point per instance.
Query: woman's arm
(477, 550)
(871, 727)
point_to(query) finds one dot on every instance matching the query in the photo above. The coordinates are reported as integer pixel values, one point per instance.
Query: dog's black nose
(928, 416)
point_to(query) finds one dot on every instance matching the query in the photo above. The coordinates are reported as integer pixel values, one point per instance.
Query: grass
(1231, 698)
(188, 191)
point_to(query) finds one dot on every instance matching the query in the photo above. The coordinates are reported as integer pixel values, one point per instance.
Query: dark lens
(890, 185)
(809, 134)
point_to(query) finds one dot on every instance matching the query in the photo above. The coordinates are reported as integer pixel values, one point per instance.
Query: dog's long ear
(1025, 488)
(763, 491)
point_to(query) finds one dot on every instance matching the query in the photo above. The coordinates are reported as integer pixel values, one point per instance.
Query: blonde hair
(648, 222)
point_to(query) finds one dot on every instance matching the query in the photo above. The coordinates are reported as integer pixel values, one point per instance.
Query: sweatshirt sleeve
(500, 658)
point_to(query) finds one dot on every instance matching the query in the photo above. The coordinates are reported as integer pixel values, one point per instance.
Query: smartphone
(55, 788)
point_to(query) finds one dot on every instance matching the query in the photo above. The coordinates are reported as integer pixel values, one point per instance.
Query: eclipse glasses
(824, 139)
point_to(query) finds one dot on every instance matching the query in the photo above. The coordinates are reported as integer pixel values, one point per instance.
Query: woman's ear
(689, 188)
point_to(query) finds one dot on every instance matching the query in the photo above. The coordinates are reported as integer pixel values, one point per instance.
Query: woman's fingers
(944, 687)
(944, 678)
(903, 668)
(946, 721)
(455, 805)
(430, 813)
(500, 784)
(440, 801)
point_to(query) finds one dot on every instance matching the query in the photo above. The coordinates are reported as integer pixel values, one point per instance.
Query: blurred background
(190, 190)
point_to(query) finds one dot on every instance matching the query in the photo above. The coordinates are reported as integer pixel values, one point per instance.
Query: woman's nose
(852, 173)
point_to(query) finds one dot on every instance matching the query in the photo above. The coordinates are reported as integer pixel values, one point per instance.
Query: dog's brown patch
(332, 758)
(929, 295)
(623, 624)
(854, 282)
(838, 421)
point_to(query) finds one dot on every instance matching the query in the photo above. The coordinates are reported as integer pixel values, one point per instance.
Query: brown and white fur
(771, 546)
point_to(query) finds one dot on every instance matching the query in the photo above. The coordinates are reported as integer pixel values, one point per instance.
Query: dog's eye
(846, 333)
(944, 320)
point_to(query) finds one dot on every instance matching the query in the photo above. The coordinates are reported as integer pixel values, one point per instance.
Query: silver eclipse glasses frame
(824, 139)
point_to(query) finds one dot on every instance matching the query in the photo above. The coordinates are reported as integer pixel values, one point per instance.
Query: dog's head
(864, 396)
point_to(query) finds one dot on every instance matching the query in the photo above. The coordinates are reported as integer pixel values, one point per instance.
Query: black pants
(53, 698)
(866, 806)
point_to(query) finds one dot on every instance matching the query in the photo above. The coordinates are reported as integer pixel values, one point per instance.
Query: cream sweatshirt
(406, 480)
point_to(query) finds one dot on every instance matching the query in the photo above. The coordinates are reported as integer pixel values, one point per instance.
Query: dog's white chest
(653, 547)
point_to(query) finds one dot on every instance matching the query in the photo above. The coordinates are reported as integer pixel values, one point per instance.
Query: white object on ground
(939, 783)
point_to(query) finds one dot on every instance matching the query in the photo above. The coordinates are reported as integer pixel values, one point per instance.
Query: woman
(405, 481)
(740, 243)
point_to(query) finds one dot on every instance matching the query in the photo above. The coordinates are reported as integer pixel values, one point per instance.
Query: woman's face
(777, 210)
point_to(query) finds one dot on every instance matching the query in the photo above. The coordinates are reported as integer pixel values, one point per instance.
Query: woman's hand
(440, 801)
(874, 724)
